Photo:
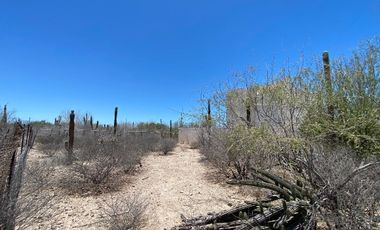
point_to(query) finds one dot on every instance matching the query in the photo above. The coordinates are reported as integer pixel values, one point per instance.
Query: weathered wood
(262, 185)
(292, 213)
(237, 223)
(296, 191)
(18, 146)
(226, 215)
(358, 171)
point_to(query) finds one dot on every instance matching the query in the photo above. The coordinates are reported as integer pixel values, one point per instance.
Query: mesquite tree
(319, 128)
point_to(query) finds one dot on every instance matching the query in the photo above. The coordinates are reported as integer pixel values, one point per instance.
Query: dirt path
(178, 184)
(175, 184)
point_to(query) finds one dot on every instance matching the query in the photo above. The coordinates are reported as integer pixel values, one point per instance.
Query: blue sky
(153, 58)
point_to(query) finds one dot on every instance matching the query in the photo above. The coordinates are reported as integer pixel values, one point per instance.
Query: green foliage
(166, 145)
(244, 140)
(42, 123)
(151, 126)
(356, 101)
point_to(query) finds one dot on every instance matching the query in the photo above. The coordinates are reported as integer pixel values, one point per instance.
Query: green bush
(356, 102)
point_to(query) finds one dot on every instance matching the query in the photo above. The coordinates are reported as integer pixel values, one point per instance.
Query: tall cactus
(97, 125)
(248, 110)
(4, 119)
(70, 145)
(115, 121)
(181, 121)
(170, 129)
(328, 84)
(85, 120)
(208, 111)
(91, 123)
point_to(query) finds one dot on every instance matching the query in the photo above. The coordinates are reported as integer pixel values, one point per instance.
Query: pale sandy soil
(179, 183)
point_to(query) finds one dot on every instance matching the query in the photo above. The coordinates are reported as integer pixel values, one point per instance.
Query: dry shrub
(214, 148)
(234, 151)
(342, 194)
(290, 131)
(346, 192)
(21, 184)
(99, 156)
(35, 199)
(194, 145)
(143, 144)
(97, 159)
(125, 213)
(166, 145)
(51, 144)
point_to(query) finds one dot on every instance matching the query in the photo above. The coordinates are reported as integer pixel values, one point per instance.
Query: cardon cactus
(115, 121)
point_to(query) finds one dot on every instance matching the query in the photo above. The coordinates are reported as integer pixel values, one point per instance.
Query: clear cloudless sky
(153, 58)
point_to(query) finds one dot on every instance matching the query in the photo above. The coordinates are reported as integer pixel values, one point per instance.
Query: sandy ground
(178, 183)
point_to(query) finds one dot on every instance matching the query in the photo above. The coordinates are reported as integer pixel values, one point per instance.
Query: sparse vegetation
(16, 141)
(98, 156)
(35, 199)
(166, 145)
(126, 213)
(311, 137)
(51, 144)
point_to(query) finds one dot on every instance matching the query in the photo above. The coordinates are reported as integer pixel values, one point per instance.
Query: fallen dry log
(291, 211)
(289, 215)
(292, 205)
(260, 184)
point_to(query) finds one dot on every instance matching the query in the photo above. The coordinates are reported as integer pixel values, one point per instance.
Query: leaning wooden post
(115, 121)
(70, 145)
(328, 84)
(170, 129)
